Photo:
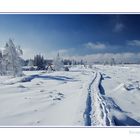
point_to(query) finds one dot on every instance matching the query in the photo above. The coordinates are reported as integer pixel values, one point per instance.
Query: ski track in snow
(96, 112)
(101, 112)
(87, 113)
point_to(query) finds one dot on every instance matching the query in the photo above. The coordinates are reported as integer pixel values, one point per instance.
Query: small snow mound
(132, 86)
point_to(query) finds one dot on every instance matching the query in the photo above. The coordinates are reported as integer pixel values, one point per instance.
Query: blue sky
(71, 34)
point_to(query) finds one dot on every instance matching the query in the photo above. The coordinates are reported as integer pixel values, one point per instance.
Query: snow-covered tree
(12, 59)
(1, 67)
(58, 64)
(30, 63)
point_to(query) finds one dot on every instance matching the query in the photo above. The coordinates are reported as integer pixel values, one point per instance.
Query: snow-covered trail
(96, 112)
(100, 111)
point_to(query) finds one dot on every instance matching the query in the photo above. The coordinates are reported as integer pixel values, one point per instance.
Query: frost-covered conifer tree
(12, 59)
(58, 64)
(1, 67)
(30, 63)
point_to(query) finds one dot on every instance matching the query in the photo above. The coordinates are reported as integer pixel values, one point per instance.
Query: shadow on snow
(47, 77)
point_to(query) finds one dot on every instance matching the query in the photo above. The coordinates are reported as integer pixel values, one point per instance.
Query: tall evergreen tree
(39, 62)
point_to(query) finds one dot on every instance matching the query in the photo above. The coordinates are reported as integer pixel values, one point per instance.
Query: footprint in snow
(42, 90)
(61, 94)
(132, 102)
(57, 99)
(27, 98)
(50, 96)
(37, 83)
(35, 110)
(21, 86)
(38, 122)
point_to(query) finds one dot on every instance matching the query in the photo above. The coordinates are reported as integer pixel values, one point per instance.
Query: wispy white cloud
(97, 45)
(133, 43)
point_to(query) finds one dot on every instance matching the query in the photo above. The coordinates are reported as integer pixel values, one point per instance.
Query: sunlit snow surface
(101, 96)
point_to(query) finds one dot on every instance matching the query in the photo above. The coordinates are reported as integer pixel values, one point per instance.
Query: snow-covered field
(101, 96)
